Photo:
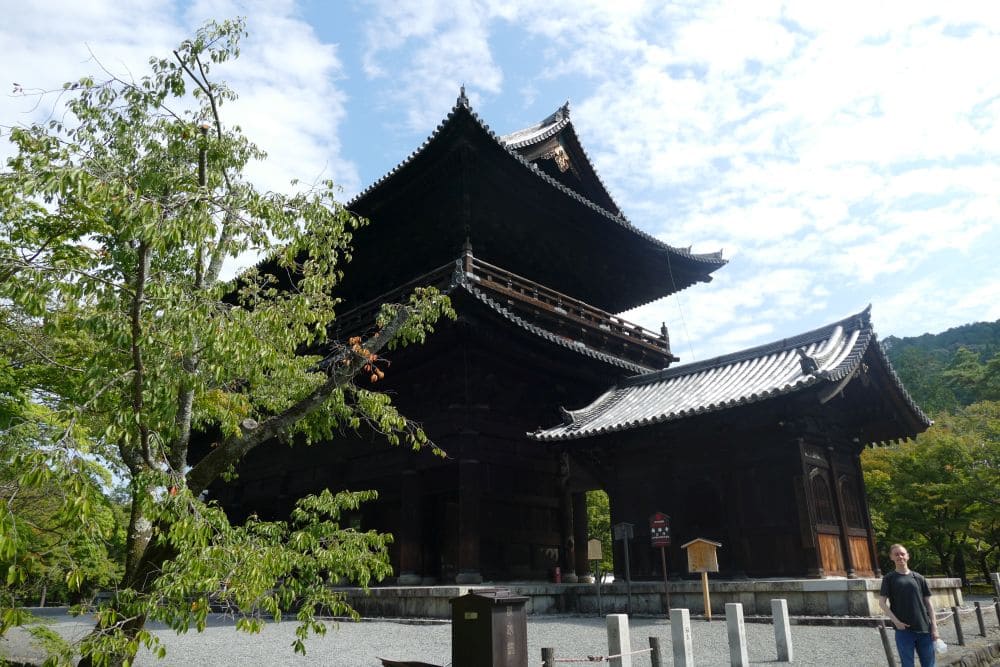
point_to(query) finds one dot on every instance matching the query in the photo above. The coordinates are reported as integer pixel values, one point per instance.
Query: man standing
(906, 599)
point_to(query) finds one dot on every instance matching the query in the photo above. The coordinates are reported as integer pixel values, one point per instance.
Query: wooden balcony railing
(556, 312)
(598, 323)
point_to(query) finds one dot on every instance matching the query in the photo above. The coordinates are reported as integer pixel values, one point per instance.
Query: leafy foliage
(933, 366)
(939, 493)
(119, 341)
(599, 526)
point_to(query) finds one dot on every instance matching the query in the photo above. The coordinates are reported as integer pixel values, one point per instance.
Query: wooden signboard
(594, 549)
(702, 557)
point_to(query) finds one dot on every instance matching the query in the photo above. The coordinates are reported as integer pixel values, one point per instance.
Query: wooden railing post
(890, 657)
(655, 655)
(958, 626)
(979, 617)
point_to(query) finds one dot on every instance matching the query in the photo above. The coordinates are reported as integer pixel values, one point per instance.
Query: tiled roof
(462, 106)
(826, 355)
(534, 134)
(461, 281)
(558, 122)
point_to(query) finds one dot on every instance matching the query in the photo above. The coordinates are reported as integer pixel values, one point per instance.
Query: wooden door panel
(862, 556)
(831, 559)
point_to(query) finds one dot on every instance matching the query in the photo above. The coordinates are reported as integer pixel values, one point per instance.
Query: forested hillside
(940, 494)
(926, 363)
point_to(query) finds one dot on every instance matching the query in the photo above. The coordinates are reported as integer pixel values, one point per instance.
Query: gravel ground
(362, 643)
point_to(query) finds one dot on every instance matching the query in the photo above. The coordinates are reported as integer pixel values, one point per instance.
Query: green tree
(921, 373)
(599, 526)
(938, 493)
(116, 221)
(53, 518)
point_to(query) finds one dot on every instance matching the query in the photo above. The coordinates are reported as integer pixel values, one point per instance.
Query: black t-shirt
(906, 593)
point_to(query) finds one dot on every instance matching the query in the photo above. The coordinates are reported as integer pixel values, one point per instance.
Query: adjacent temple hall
(539, 392)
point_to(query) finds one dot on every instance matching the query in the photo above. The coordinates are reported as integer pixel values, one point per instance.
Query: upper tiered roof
(530, 202)
(554, 147)
(823, 360)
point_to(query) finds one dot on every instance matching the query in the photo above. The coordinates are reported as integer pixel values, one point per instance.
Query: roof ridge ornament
(566, 416)
(463, 100)
(808, 363)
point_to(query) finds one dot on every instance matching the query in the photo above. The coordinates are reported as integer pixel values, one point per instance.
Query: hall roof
(824, 359)
(554, 147)
(529, 201)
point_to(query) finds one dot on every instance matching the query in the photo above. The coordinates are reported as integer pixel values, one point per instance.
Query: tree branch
(138, 380)
(232, 449)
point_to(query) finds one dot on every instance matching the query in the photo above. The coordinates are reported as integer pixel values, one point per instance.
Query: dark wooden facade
(496, 506)
(533, 251)
(785, 498)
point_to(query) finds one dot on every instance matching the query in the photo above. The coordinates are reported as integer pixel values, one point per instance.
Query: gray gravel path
(359, 644)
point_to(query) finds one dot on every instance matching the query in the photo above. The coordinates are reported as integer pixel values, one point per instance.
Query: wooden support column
(410, 538)
(735, 522)
(581, 534)
(567, 537)
(469, 500)
(806, 511)
(838, 501)
(872, 549)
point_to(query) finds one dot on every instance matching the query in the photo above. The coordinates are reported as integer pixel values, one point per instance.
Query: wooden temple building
(757, 450)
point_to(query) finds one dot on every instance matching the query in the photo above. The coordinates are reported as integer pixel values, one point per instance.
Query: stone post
(619, 641)
(680, 637)
(737, 632)
(782, 630)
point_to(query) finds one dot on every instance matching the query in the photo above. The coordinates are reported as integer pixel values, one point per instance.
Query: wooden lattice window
(852, 503)
(822, 498)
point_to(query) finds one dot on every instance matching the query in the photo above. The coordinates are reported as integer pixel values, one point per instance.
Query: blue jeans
(907, 640)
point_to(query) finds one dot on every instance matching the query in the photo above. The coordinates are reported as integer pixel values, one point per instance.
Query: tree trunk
(143, 561)
(960, 566)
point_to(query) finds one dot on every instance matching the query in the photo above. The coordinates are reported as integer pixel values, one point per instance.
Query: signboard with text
(659, 530)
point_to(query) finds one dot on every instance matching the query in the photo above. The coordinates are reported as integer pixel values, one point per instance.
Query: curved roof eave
(835, 351)
(710, 261)
(556, 123)
(580, 348)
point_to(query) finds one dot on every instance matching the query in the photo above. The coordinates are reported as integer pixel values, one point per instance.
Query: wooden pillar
(735, 522)
(410, 537)
(807, 523)
(872, 549)
(838, 501)
(469, 500)
(581, 533)
(567, 536)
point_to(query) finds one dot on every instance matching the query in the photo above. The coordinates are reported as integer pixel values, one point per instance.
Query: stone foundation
(806, 597)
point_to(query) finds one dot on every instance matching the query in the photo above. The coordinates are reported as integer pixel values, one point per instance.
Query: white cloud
(290, 104)
(836, 152)
(446, 45)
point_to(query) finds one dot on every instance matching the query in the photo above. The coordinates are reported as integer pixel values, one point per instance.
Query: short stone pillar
(680, 637)
(619, 641)
(782, 630)
(737, 632)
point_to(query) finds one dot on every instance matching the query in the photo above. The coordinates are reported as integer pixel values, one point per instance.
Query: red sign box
(659, 530)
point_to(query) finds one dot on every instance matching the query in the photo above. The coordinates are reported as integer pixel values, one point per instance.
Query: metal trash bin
(489, 627)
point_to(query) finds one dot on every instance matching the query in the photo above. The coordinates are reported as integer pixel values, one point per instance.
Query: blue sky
(839, 154)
